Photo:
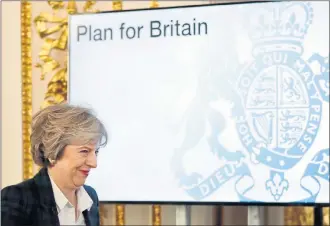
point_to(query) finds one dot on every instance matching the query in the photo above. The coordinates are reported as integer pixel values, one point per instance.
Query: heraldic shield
(279, 103)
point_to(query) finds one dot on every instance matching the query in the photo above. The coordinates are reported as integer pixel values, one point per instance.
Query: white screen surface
(235, 112)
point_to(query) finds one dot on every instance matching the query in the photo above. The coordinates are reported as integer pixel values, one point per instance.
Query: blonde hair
(56, 126)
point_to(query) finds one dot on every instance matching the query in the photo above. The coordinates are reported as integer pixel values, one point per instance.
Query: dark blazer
(32, 203)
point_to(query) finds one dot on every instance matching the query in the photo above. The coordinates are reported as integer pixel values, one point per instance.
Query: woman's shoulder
(91, 192)
(16, 201)
(19, 192)
(22, 186)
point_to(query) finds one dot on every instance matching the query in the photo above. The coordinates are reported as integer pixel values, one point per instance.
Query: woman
(65, 141)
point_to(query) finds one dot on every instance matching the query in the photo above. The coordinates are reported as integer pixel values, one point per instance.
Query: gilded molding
(154, 4)
(52, 28)
(120, 215)
(26, 75)
(326, 216)
(156, 215)
(303, 216)
(298, 216)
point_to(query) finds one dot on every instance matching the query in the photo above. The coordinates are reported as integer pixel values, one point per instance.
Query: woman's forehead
(92, 143)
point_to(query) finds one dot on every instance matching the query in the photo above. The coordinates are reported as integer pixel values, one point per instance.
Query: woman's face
(75, 164)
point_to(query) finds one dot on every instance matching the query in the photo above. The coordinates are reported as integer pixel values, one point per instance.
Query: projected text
(155, 29)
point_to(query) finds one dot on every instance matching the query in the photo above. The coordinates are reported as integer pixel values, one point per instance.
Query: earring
(51, 161)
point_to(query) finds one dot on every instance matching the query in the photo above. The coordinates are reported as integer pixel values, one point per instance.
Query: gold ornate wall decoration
(26, 61)
(48, 26)
(299, 216)
(117, 5)
(156, 215)
(326, 216)
(120, 215)
(154, 4)
(303, 216)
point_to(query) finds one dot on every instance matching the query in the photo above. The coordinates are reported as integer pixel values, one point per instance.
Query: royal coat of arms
(279, 103)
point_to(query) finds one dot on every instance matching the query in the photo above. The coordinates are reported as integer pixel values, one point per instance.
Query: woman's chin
(79, 181)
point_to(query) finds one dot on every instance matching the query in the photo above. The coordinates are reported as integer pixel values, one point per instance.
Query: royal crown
(280, 23)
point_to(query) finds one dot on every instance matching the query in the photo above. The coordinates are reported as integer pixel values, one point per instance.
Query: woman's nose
(92, 160)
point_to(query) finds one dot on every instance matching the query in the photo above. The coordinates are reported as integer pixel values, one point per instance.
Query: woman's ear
(52, 161)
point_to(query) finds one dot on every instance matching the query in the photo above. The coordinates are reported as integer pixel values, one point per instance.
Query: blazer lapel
(46, 198)
(87, 219)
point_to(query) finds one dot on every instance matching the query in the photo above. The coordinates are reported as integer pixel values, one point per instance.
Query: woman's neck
(69, 192)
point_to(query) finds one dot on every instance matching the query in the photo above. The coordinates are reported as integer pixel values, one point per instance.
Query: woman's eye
(84, 151)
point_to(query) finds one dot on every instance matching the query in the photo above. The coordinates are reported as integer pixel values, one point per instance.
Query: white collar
(84, 200)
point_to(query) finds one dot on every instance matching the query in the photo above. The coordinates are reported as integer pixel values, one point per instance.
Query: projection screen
(222, 103)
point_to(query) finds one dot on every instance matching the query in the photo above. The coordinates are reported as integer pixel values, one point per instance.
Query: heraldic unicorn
(278, 104)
